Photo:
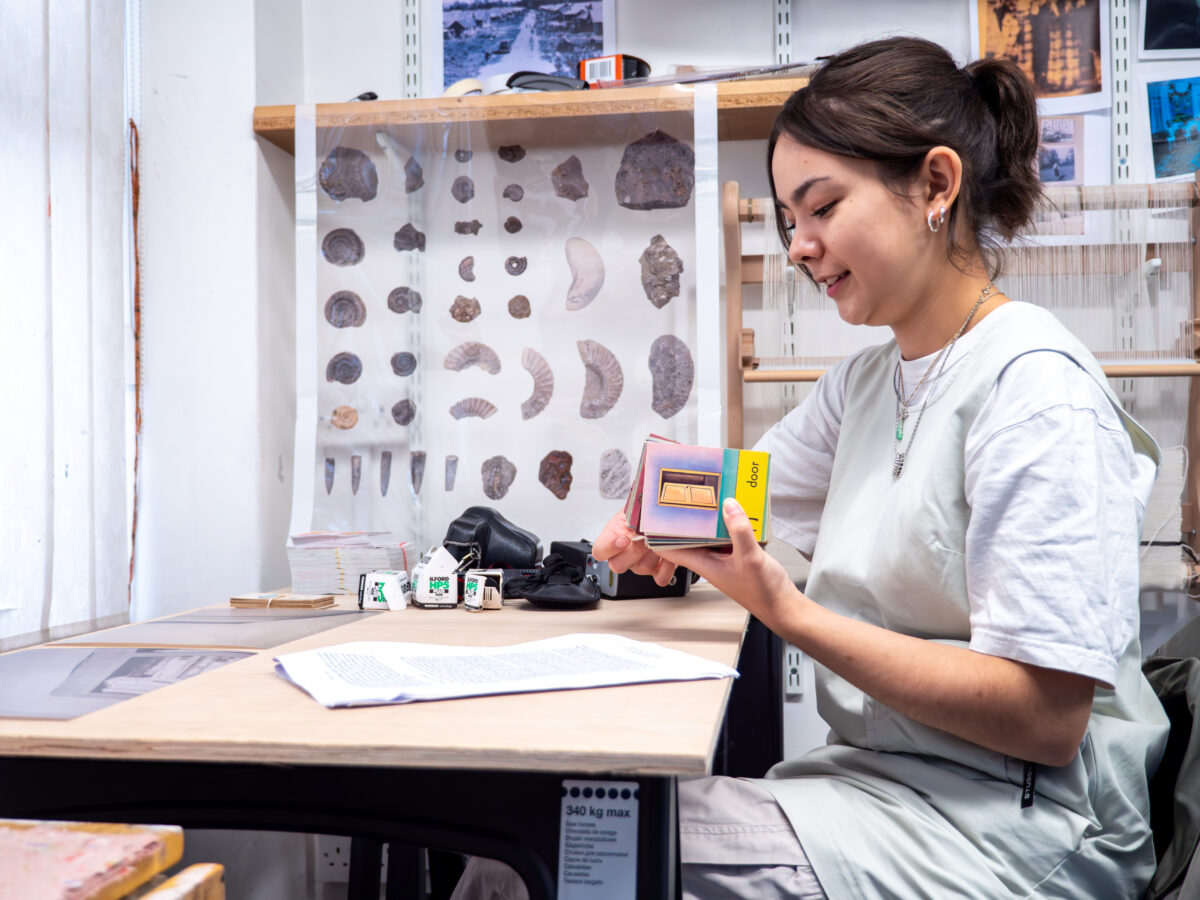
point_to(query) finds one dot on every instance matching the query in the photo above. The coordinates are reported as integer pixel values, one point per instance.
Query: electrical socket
(332, 859)
(793, 672)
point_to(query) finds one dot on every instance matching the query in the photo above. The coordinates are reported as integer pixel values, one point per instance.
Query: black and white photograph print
(1060, 150)
(1169, 29)
(485, 38)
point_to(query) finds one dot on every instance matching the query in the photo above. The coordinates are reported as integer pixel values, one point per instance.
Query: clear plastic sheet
(433, 375)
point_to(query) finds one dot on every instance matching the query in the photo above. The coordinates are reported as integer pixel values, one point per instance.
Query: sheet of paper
(369, 673)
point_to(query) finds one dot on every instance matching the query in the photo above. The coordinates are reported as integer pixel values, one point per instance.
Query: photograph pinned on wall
(1173, 107)
(491, 39)
(1060, 162)
(1062, 45)
(1169, 29)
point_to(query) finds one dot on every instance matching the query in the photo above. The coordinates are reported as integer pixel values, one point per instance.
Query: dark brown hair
(891, 101)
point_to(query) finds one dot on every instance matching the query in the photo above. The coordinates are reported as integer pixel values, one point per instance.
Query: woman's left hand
(744, 571)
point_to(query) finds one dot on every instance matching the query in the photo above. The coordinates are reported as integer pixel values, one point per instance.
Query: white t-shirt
(1051, 479)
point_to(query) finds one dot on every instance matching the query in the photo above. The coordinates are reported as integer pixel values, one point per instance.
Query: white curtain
(64, 334)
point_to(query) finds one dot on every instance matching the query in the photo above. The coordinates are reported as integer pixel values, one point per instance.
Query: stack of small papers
(281, 600)
(328, 562)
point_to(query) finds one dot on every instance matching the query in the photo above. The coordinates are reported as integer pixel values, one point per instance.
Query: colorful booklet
(678, 490)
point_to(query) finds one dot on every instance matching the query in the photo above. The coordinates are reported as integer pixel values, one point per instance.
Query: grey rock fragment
(616, 474)
(661, 268)
(464, 309)
(498, 474)
(511, 153)
(355, 472)
(656, 172)
(408, 238)
(463, 189)
(414, 176)
(385, 471)
(672, 372)
(471, 227)
(568, 179)
(451, 471)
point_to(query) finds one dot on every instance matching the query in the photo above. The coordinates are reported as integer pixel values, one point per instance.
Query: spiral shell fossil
(404, 363)
(543, 382)
(513, 192)
(404, 299)
(404, 411)
(515, 265)
(344, 368)
(587, 272)
(498, 474)
(518, 307)
(473, 353)
(672, 371)
(603, 380)
(343, 247)
(466, 268)
(472, 407)
(345, 309)
(344, 417)
(347, 172)
(414, 177)
(512, 225)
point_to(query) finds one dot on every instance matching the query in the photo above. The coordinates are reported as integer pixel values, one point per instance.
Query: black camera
(624, 585)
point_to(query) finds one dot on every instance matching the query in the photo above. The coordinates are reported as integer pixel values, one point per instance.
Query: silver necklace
(939, 362)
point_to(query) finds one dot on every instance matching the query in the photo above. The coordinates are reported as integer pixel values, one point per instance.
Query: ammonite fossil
(466, 268)
(511, 153)
(568, 179)
(344, 417)
(464, 309)
(603, 379)
(344, 368)
(463, 189)
(555, 473)
(404, 299)
(515, 265)
(587, 273)
(404, 411)
(473, 353)
(346, 173)
(518, 307)
(404, 363)
(408, 238)
(512, 225)
(513, 192)
(543, 382)
(343, 247)
(345, 309)
(470, 407)
(672, 371)
(656, 172)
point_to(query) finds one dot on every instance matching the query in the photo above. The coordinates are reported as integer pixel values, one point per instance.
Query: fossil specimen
(343, 247)
(347, 172)
(344, 417)
(404, 299)
(568, 179)
(404, 411)
(587, 273)
(408, 238)
(451, 471)
(515, 265)
(466, 268)
(414, 176)
(672, 371)
(603, 380)
(345, 309)
(661, 267)
(463, 155)
(518, 307)
(355, 472)
(463, 189)
(329, 464)
(615, 474)
(344, 368)
(498, 474)
(511, 153)
(512, 225)
(416, 468)
(385, 471)
(472, 406)
(473, 353)
(656, 172)
(471, 227)
(555, 473)
(464, 309)
(543, 382)
(404, 363)
(513, 192)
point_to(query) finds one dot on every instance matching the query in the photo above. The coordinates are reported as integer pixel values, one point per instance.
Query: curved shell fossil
(329, 467)
(404, 363)
(355, 472)
(416, 469)
(466, 268)
(385, 471)
(344, 417)
(498, 474)
(347, 172)
(345, 309)
(343, 247)
(472, 407)
(543, 382)
(672, 371)
(512, 225)
(511, 153)
(568, 179)
(518, 307)
(344, 368)
(451, 471)
(603, 380)
(515, 265)
(463, 189)
(404, 411)
(661, 267)
(616, 474)
(513, 192)
(464, 309)
(554, 473)
(473, 353)
(404, 299)
(409, 238)
(587, 272)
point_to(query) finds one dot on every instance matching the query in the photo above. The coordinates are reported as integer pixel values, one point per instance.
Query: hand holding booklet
(678, 490)
(371, 673)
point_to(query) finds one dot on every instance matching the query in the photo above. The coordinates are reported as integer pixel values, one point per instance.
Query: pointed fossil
(355, 472)
(587, 272)
(475, 407)
(512, 225)
(603, 379)
(471, 227)
(616, 474)
(416, 468)
(511, 153)
(329, 464)
(404, 299)
(661, 268)
(343, 247)
(554, 473)
(385, 471)
(568, 179)
(451, 471)
(656, 172)
(515, 265)
(473, 353)
(463, 189)
(404, 411)
(543, 382)
(345, 309)
(464, 309)
(518, 307)
(347, 172)
(409, 238)
(404, 363)
(498, 474)
(466, 268)
(513, 192)
(672, 372)
(344, 368)
(344, 417)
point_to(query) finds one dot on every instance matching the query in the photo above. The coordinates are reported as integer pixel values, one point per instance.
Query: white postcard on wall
(597, 840)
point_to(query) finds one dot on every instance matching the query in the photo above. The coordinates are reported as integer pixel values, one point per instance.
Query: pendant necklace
(939, 363)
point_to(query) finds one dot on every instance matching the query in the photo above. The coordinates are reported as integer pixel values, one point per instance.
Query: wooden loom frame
(742, 363)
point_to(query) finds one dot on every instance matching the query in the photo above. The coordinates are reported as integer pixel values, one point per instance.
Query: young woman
(971, 497)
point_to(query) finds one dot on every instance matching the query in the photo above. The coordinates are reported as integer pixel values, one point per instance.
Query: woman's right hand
(624, 550)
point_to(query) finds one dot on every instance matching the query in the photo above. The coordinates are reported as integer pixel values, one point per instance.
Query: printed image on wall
(1174, 125)
(1170, 29)
(1059, 44)
(1060, 150)
(484, 38)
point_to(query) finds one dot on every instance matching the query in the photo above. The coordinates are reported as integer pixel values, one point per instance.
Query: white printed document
(369, 673)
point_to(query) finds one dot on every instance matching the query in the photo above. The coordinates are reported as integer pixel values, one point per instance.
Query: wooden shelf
(745, 109)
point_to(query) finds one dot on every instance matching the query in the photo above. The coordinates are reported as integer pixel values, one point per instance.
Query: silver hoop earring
(935, 227)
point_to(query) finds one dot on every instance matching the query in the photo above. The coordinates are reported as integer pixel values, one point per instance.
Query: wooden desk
(239, 747)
